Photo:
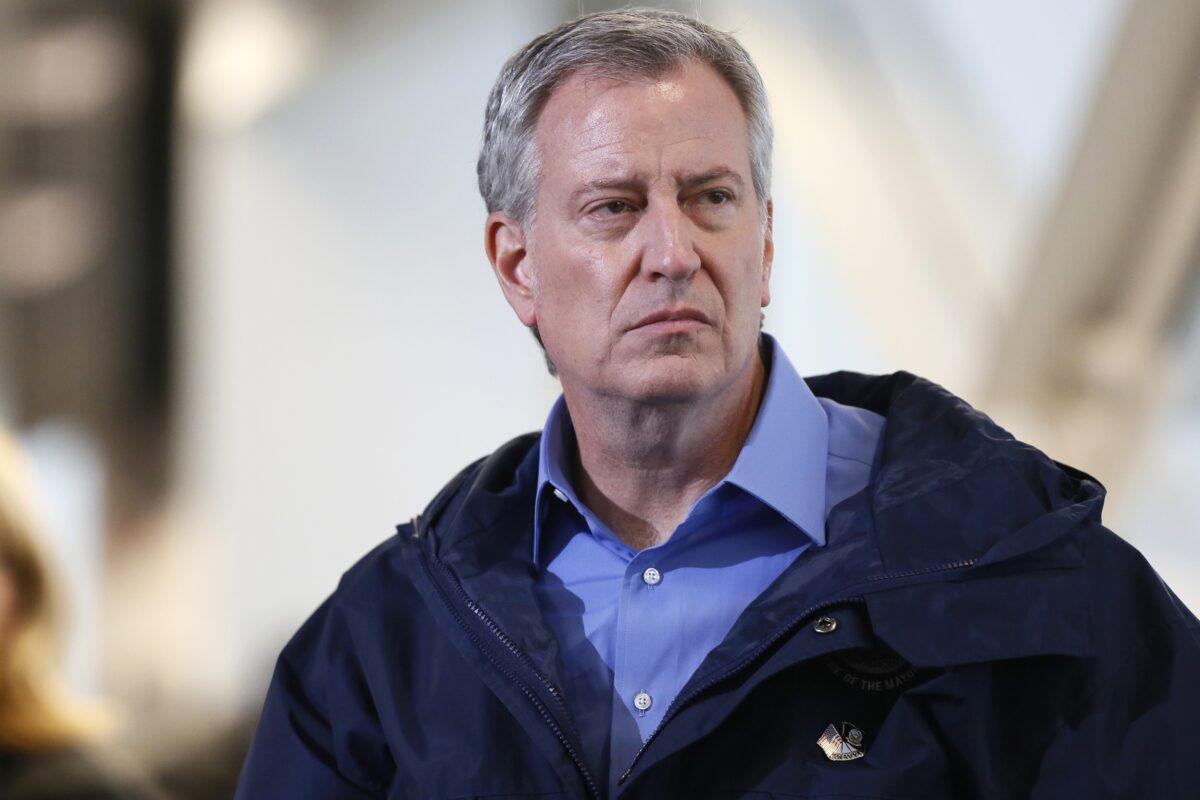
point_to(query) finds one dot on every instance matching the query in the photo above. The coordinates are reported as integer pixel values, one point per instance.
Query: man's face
(647, 260)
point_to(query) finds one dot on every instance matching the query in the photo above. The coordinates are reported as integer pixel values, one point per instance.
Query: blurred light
(241, 57)
(65, 73)
(49, 236)
(69, 490)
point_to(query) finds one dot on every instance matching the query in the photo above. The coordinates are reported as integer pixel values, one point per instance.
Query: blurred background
(246, 322)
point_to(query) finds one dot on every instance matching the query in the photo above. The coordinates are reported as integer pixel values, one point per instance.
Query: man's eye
(716, 197)
(612, 208)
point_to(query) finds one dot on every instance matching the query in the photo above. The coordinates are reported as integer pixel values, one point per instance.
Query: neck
(642, 467)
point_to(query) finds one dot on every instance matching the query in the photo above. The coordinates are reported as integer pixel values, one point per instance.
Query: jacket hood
(953, 497)
(952, 485)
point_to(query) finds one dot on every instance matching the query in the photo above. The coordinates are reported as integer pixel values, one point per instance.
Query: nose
(670, 246)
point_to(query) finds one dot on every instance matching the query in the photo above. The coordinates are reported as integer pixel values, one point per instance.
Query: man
(708, 576)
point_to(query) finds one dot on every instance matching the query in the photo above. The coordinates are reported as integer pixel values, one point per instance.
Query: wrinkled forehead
(593, 119)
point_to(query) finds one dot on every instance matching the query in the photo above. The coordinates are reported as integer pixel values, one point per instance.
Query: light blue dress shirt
(631, 626)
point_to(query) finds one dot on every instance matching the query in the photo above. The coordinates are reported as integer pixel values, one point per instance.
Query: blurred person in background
(47, 736)
(707, 576)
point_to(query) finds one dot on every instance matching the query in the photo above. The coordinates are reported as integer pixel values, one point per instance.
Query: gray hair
(613, 44)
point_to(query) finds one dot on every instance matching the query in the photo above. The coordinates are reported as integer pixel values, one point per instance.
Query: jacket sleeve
(1136, 731)
(319, 735)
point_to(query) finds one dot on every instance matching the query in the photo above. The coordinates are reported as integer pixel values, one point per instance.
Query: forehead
(682, 117)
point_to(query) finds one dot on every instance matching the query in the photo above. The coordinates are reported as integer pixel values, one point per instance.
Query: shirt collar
(782, 462)
(784, 458)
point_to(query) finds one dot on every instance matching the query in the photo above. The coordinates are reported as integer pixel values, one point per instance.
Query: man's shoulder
(1131, 600)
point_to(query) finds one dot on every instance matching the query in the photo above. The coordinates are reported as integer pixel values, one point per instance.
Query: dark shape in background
(86, 119)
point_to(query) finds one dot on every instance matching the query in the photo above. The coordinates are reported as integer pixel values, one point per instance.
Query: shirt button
(651, 576)
(642, 701)
(559, 494)
(825, 625)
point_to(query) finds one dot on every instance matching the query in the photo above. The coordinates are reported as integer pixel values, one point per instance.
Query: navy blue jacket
(970, 629)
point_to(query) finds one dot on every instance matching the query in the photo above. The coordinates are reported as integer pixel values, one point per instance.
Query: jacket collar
(955, 502)
(954, 486)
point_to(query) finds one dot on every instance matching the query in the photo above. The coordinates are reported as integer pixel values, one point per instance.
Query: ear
(768, 256)
(504, 241)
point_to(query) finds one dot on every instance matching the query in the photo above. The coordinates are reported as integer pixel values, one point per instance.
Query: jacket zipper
(680, 701)
(521, 656)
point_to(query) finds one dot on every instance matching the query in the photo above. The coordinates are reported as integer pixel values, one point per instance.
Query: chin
(670, 379)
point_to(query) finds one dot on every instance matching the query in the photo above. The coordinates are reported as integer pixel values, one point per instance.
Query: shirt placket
(641, 686)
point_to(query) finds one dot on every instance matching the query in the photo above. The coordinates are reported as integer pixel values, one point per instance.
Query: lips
(683, 314)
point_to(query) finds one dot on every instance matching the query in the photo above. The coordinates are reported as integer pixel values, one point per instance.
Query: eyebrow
(712, 175)
(636, 182)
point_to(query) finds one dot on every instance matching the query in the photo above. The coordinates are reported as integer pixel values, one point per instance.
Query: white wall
(347, 349)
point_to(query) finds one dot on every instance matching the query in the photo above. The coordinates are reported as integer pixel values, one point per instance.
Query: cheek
(741, 287)
(580, 283)
(757, 276)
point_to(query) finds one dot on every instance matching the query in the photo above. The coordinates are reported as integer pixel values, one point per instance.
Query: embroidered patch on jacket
(842, 742)
(879, 670)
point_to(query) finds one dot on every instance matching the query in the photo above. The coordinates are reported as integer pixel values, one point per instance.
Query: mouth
(673, 320)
